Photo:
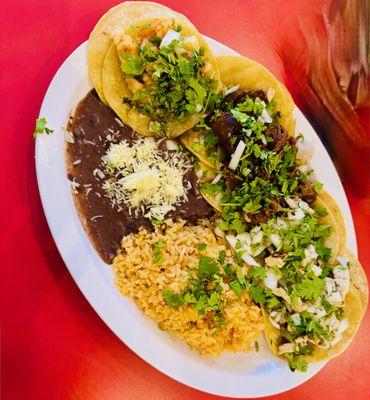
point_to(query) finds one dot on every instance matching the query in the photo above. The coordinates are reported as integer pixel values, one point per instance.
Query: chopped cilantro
(202, 246)
(257, 294)
(131, 65)
(310, 288)
(41, 127)
(221, 257)
(174, 85)
(256, 273)
(159, 244)
(172, 299)
(237, 288)
(207, 266)
(296, 363)
(317, 186)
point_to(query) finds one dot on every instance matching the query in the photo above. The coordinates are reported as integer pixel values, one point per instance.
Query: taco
(322, 331)
(158, 74)
(241, 75)
(111, 27)
(332, 217)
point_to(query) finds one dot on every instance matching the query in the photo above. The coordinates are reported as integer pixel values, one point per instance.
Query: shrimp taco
(158, 73)
(111, 27)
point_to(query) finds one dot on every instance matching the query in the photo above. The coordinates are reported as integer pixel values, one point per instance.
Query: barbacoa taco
(241, 76)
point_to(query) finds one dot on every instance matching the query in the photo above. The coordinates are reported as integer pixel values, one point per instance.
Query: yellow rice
(139, 277)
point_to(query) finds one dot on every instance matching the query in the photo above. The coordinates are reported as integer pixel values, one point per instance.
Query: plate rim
(81, 283)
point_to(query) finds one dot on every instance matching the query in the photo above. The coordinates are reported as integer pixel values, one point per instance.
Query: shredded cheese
(145, 178)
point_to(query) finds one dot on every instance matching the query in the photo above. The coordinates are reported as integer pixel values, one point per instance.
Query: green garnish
(131, 65)
(157, 254)
(256, 346)
(207, 267)
(202, 246)
(41, 127)
(174, 88)
(173, 299)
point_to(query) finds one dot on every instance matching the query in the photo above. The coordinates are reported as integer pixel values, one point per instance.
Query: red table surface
(54, 346)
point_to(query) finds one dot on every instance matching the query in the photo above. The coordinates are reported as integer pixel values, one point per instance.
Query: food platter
(231, 374)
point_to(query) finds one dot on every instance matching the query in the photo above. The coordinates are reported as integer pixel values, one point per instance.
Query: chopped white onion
(245, 257)
(217, 178)
(271, 280)
(305, 151)
(231, 90)
(237, 155)
(342, 261)
(296, 318)
(275, 239)
(171, 145)
(270, 94)
(218, 197)
(169, 37)
(249, 260)
(265, 117)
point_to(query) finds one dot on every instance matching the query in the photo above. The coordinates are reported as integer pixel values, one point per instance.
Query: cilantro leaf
(257, 293)
(41, 127)
(172, 299)
(199, 90)
(132, 65)
(236, 287)
(207, 267)
(296, 363)
(256, 273)
(310, 288)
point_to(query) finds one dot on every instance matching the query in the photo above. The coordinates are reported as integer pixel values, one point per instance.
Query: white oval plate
(233, 374)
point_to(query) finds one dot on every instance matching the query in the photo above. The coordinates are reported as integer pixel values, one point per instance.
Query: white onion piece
(237, 155)
(271, 280)
(342, 261)
(169, 37)
(305, 152)
(246, 257)
(171, 145)
(270, 94)
(231, 90)
(217, 178)
(265, 117)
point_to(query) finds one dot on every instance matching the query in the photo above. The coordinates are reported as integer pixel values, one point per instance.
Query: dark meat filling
(240, 95)
(226, 127)
(229, 133)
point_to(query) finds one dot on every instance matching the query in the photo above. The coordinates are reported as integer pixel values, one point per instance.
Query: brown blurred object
(330, 78)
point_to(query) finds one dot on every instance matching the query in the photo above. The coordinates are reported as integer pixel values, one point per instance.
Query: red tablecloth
(54, 346)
